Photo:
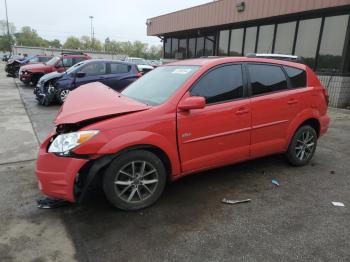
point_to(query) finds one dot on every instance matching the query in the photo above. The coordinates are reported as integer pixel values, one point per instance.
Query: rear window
(266, 79)
(297, 76)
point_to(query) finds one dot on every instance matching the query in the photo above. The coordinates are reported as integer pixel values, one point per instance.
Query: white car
(142, 65)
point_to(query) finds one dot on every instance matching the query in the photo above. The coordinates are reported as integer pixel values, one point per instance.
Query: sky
(120, 20)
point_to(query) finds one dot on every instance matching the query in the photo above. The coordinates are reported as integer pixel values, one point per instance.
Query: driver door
(218, 134)
(94, 72)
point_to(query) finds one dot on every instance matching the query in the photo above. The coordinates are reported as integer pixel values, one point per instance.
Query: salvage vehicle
(56, 86)
(30, 74)
(179, 119)
(13, 66)
(142, 65)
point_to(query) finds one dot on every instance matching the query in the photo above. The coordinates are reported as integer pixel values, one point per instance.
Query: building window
(223, 42)
(174, 47)
(332, 44)
(191, 47)
(209, 45)
(285, 38)
(182, 54)
(250, 39)
(200, 46)
(236, 42)
(307, 40)
(265, 41)
(167, 47)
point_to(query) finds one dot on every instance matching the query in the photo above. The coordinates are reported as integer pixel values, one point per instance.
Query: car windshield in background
(75, 67)
(53, 61)
(157, 86)
(139, 61)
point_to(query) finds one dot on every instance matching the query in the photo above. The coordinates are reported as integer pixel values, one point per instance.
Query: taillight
(139, 74)
(326, 95)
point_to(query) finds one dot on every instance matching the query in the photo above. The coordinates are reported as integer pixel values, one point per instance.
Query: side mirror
(80, 74)
(193, 102)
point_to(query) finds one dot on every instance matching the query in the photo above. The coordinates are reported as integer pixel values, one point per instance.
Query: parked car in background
(56, 86)
(142, 65)
(179, 119)
(154, 63)
(30, 74)
(13, 66)
(5, 57)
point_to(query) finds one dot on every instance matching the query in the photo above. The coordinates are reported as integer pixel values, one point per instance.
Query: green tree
(3, 28)
(72, 42)
(5, 40)
(55, 43)
(29, 37)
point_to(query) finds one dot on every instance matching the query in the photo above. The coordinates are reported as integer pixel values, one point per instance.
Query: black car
(13, 65)
(114, 74)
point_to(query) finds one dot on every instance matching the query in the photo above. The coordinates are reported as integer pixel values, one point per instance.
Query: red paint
(193, 139)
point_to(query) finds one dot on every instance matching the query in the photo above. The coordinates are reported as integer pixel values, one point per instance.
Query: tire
(61, 95)
(34, 80)
(128, 190)
(302, 146)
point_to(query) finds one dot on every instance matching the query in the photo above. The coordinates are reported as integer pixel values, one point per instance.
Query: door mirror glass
(193, 102)
(80, 74)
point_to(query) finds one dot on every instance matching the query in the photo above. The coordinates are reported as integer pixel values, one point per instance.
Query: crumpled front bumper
(56, 175)
(43, 95)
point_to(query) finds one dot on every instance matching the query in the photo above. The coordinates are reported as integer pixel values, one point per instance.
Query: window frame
(244, 82)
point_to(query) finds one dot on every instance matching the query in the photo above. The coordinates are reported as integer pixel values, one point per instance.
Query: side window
(297, 76)
(77, 60)
(266, 79)
(67, 62)
(117, 68)
(94, 69)
(221, 84)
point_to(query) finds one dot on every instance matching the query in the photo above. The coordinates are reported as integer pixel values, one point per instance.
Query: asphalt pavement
(293, 222)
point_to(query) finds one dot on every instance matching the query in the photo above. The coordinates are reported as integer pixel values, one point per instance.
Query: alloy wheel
(305, 145)
(136, 181)
(63, 95)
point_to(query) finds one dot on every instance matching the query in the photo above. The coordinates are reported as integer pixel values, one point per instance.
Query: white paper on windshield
(182, 71)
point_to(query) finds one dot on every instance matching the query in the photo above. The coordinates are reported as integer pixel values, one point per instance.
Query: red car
(179, 119)
(30, 74)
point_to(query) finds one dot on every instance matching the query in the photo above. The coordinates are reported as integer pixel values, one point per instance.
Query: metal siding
(224, 12)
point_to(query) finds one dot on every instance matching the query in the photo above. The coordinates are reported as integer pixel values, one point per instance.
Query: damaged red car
(180, 119)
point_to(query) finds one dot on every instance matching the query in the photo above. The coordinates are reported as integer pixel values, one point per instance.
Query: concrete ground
(293, 222)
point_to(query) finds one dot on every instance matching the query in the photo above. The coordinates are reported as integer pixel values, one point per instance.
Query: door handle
(242, 111)
(292, 101)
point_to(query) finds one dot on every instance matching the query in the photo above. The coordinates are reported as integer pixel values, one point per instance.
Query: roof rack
(292, 58)
(72, 53)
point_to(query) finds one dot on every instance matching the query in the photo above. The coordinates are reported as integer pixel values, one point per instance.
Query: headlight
(66, 142)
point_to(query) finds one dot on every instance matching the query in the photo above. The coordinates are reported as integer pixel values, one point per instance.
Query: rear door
(119, 76)
(274, 105)
(94, 72)
(219, 133)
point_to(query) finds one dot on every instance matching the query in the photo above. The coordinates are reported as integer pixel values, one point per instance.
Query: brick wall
(339, 90)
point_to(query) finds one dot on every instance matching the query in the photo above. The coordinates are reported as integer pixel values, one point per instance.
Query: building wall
(338, 89)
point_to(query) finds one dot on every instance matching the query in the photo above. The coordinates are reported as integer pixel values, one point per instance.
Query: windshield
(53, 61)
(157, 86)
(75, 67)
(138, 61)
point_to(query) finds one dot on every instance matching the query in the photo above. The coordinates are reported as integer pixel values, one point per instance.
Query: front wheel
(134, 180)
(62, 95)
(302, 147)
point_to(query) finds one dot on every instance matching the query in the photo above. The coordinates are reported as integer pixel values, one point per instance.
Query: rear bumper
(324, 124)
(56, 175)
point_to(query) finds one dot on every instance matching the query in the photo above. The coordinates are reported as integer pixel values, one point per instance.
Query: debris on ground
(338, 204)
(48, 203)
(233, 202)
(275, 182)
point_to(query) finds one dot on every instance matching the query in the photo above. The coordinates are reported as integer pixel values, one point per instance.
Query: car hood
(35, 67)
(95, 100)
(50, 76)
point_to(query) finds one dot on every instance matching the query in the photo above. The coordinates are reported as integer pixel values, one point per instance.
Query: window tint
(296, 76)
(266, 79)
(236, 42)
(284, 38)
(67, 62)
(307, 40)
(94, 69)
(209, 45)
(221, 84)
(200, 47)
(119, 68)
(78, 60)
(223, 42)
(191, 47)
(44, 58)
(332, 43)
(250, 39)
(265, 39)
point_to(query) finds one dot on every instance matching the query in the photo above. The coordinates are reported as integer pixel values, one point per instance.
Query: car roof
(107, 61)
(208, 62)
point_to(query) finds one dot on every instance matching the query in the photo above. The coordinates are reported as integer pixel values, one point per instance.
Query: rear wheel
(302, 147)
(134, 180)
